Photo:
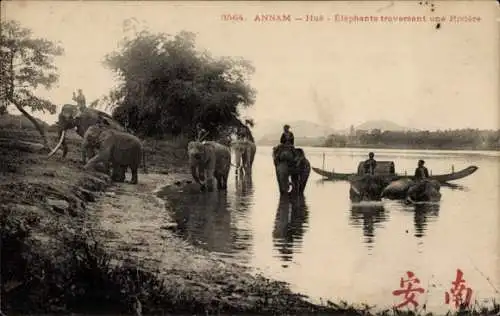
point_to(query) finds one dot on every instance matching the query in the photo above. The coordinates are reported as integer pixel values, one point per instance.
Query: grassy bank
(53, 261)
(72, 244)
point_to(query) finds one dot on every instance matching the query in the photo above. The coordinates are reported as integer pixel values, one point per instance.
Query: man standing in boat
(287, 137)
(421, 172)
(370, 164)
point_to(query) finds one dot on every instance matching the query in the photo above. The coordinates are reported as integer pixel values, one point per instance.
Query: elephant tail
(144, 161)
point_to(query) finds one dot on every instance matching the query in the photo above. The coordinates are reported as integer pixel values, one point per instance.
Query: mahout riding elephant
(367, 187)
(71, 117)
(121, 150)
(244, 155)
(426, 190)
(209, 159)
(292, 169)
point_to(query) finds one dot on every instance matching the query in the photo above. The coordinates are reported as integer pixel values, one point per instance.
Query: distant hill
(383, 125)
(268, 132)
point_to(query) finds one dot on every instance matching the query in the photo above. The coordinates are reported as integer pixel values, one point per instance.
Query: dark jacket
(421, 173)
(287, 138)
(370, 165)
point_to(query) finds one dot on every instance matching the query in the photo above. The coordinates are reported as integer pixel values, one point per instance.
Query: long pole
(323, 161)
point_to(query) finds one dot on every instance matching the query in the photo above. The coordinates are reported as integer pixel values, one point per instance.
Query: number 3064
(232, 17)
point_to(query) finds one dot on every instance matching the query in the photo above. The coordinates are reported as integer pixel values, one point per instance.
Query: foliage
(169, 87)
(26, 63)
(448, 139)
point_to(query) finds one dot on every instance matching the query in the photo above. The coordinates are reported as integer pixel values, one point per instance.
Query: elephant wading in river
(292, 168)
(244, 154)
(367, 187)
(71, 117)
(424, 191)
(121, 150)
(209, 159)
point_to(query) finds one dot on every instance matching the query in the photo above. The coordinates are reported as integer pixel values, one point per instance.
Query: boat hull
(442, 178)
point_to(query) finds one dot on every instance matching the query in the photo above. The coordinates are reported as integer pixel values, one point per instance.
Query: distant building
(352, 131)
(360, 132)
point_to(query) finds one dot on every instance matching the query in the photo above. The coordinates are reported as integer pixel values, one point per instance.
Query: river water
(329, 249)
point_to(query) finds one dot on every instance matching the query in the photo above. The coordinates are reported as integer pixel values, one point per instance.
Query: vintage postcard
(250, 157)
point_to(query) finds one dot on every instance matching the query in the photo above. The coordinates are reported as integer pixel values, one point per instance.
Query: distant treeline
(468, 139)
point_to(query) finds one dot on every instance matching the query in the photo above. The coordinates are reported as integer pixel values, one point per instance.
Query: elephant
(119, 149)
(72, 116)
(424, 191)
(292, 168)
(367, 187)
(412, 191)
(210, 159)
(244, 154)
(396, 190)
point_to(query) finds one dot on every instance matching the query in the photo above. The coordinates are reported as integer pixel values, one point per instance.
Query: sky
(327, 72)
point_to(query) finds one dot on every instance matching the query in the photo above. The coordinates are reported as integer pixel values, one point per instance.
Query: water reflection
(289, 226)
(211, 220)
(244, 186)
(367, 216)
(454, 186)
(423, 212)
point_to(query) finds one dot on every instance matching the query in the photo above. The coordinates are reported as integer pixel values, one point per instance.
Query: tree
(169, 87)
(26, 64)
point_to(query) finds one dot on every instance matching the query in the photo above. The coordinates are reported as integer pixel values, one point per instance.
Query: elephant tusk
(356, 190)
(58, 144)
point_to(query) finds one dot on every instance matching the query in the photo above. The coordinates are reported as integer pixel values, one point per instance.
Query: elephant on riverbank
(119, 149)
(209, 159)
(72, 116)
(292, 169)
(244, 154)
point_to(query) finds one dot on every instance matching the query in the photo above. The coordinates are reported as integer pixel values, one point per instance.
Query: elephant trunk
(63, 134)
(194, 173)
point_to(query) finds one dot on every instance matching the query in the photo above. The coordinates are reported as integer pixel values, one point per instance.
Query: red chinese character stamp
(457, 291)
(409, 288)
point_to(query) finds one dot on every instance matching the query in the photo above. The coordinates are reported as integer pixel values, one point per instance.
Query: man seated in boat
(370, 164)
(421, 172)
(287, 137)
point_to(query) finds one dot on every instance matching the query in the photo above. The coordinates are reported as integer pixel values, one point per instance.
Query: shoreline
(148, 245)
(75, 240)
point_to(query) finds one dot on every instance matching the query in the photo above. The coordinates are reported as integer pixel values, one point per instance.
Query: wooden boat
(442, 178)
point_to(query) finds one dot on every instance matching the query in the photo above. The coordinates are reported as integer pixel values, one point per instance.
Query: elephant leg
(224, 175)
(295, 179)
(210, 169)
(87, 153)
(134, 179)
(303, 178)
(118, 173)
(210, 182)
(282, 177)
(201, 178)
(64, 148)
(122, 170)
(217, 179)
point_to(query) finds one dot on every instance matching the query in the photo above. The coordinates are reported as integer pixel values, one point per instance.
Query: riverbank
(73, 242)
